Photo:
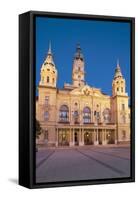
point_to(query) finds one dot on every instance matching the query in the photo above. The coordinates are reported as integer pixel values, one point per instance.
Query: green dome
(118, 72)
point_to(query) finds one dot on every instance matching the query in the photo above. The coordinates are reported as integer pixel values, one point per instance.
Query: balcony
(63, 122)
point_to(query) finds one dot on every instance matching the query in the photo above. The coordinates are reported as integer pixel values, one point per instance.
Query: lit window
(64, 113)
(46, 115)
(107, 115)
(86, 115)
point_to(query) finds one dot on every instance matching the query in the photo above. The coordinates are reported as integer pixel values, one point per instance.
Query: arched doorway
(76, 141)
(87, 138)
(110, 137)
(63, 137)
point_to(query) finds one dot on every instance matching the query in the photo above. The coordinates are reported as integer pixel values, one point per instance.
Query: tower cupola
(48, 74)
(118, 84)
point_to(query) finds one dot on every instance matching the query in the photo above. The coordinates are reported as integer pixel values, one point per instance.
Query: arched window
(87, 115)
(53, 80)
(107, 115)
(64, 113)
(47, 79)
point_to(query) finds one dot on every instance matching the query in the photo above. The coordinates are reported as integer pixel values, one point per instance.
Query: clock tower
(78, 72)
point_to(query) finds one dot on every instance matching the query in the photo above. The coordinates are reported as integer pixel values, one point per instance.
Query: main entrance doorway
(63, 138)
(88, 138)
(76, 140)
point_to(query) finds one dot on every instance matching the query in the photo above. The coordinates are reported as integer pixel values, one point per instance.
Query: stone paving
(68, 164)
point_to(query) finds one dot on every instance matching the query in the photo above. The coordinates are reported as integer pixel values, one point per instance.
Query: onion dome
(118, 72)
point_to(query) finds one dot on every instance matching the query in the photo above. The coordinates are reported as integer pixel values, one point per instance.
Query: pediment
(88, 91)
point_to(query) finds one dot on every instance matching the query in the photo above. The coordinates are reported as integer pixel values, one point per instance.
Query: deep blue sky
(102, 43)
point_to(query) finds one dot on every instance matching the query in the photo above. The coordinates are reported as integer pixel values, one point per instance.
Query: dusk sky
(102, 43)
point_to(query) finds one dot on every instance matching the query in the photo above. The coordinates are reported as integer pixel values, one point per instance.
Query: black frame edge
(24, 96)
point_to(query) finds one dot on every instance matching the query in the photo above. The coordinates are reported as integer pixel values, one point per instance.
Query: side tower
(78, 73)
(46, 103)
(48, 74)
(119, 106)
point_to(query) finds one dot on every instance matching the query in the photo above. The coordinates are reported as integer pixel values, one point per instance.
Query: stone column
(115, 135)
(56, 137)
(96, 142)
(102, 132)
(81, 140)
(71, 137)
(104, 137)
(97, 137)
(82, 137)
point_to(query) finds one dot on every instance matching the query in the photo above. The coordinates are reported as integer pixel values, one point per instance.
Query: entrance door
(87, 138)
(76, 141)
(63, 138)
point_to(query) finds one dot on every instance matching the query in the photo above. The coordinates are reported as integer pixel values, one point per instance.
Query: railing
(85, 123)
(63, 122)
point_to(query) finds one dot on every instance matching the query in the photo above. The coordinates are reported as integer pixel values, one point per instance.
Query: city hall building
(80, 114)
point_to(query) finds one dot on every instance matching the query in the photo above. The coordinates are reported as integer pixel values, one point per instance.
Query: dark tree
(38, 129)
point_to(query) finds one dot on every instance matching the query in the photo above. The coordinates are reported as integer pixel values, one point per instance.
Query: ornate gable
(88, 91)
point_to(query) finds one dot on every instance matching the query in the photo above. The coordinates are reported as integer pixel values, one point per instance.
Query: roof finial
(78, 46)
(49, 50)
(118, 63)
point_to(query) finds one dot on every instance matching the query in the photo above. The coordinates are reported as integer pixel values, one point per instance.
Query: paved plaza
(82, 163)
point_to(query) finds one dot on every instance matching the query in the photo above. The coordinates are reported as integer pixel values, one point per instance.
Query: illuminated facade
(80, 114)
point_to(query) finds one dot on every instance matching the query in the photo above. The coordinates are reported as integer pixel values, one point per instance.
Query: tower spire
(78, 54)
(118, 63)
(49, 50)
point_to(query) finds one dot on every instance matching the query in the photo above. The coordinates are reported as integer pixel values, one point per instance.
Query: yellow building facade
(80, 114)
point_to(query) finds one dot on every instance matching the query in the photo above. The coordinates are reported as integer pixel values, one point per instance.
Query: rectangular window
(46, 100)
(123, 106)
(123, 135)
